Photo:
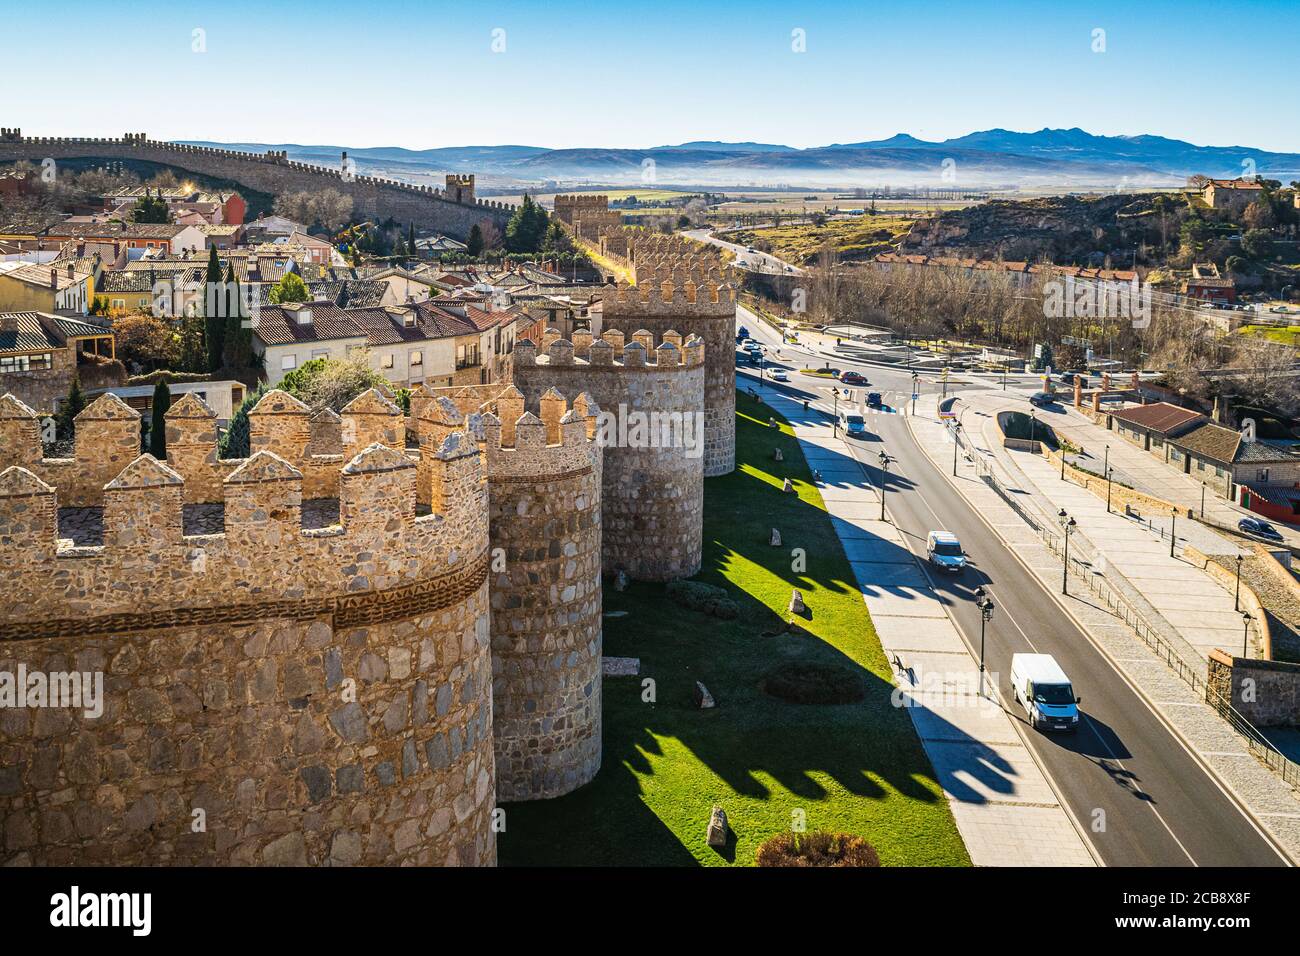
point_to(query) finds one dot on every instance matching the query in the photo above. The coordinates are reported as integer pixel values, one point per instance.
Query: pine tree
(162, 400)
(65, 420)
(215, 306)
(526, 227)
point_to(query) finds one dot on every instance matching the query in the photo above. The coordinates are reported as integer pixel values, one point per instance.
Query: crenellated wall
(544, 482)
(273, 694)
(273, 172)
(653, 475)
(690, 299)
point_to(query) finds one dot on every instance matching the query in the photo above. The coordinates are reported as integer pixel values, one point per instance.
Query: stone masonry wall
(671, 299)
(373, 198)
(1267, 693)
(652, 497)
(322, 696)
(544, 486)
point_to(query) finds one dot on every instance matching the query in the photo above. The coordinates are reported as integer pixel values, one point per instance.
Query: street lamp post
(1236, 598)
(1173, 529)
(956, 443)
(1067, 525)
(1063, 460)
(884, 478)
(1110, 473)
(1105, 467)
(916, 390)
(1245, 633)
(1202, 500)
(1033, 425)
(835, 418)
(985, 605)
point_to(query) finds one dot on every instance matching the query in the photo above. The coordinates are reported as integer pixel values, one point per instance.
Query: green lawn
(855, 768)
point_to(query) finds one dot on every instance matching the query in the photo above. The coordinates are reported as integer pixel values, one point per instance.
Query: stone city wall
(375, 198)
(272, 694)
(693, 302)
(1266, 693)
(652, 487)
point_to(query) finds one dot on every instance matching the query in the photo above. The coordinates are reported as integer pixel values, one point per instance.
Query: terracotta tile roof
(1210, 441)
(42, 332)
(1160, 417)
(447, 323)
(279, 325)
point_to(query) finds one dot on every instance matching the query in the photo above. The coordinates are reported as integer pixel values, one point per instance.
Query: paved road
(1161, 807)
(754, 261)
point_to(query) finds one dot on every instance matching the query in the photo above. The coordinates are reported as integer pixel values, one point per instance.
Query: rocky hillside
(1067, 229)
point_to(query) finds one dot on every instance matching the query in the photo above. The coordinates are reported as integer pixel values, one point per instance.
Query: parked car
(1042, 399)
(1041, 687)
(855, 426)
(944, 551)
(874, 400)
(1261, 529)
(779, 376)
(853, 378)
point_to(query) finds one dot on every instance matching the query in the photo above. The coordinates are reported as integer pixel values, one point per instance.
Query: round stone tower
(544, 476)
(690, 297)
(651, 427)
(277, 660)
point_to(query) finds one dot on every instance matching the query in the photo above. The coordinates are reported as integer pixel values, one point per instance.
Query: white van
(943, 550)
(1041, 687)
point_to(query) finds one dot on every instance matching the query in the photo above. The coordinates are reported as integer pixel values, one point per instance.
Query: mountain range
(991, 158)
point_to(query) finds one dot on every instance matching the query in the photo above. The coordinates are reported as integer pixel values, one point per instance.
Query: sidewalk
(1193, 603)
(1273, 803)
(1004, 807)
(1147, 472)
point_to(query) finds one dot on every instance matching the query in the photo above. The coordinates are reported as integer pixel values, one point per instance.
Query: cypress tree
(65, 425)
(162, 400)
(474, 244)
(215, 307)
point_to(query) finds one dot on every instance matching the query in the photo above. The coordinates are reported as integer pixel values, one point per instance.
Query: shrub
(703, 597)
(816, 849)
(798, 682)
(168, 376)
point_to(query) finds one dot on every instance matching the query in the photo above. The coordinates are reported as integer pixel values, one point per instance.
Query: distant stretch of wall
(272, 172)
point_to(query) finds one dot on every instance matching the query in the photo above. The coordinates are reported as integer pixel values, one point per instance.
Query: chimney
(9, 322)
(304, 315)
(54, 279)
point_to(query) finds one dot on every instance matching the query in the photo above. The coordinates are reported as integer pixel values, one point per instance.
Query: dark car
(854, 378)
(1042, 399)
(1261, 529)
(873, 399)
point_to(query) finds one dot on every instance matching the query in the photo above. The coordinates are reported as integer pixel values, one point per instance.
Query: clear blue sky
(636, 74)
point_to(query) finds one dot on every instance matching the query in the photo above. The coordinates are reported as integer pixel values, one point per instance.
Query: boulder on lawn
(775, 540)
(703, 699)
(718, 828)
(788, 486)
(777, 455)
(620, 666)
(796, 603)
(620, 581)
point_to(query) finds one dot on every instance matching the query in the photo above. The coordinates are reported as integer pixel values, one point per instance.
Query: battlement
(140, 145)
(612, 350)
(263, 552)
(674, 296)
